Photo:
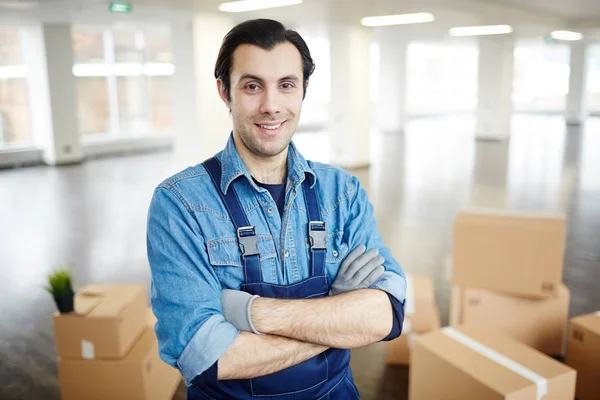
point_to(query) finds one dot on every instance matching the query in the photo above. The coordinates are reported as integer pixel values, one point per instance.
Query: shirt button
(286, 254)
(335, 253)
(270, 210)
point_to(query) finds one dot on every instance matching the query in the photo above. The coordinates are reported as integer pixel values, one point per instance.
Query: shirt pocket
(337, 248)
(225, 256)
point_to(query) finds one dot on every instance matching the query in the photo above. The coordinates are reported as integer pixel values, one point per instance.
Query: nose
(271, 102)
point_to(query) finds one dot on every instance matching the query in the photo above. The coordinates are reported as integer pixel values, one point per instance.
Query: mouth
(271, 129)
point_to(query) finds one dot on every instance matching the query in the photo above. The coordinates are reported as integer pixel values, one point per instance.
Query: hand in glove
(358, 271)
(236, 309)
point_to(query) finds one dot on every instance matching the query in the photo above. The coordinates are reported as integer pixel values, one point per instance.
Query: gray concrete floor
(91, 217)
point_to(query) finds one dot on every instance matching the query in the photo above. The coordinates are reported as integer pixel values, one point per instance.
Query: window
(124, 77)
(443, 77)
(593, 83)
(15, 126)
(541, 76)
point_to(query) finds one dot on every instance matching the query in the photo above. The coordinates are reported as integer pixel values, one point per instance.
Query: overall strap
(317, 232)
(246, 234)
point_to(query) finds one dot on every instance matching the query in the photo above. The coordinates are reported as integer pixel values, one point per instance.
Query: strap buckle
(248, 241)
(317, 234)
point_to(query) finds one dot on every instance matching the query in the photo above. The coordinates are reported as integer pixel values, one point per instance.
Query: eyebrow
(292, 77)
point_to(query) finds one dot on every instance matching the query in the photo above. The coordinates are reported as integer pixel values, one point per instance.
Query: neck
(269, 170)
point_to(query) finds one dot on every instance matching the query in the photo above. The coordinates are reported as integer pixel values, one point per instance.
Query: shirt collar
(233, 167)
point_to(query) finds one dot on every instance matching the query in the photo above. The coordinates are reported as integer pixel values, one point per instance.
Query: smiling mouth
(271, 128)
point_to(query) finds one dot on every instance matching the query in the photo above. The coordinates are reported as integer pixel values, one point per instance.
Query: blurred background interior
(100, 101)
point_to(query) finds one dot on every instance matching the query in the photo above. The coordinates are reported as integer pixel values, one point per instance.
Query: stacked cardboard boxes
(107, 348)
(583, 354)
(470, 362)
(421, 316)
(507, 275)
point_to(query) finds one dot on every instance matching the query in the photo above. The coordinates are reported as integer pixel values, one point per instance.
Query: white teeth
(270, 127)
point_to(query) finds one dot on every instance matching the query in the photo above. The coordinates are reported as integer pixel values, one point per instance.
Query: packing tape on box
(598, 313)
(409, 307)
(540, 381)
(87, 350)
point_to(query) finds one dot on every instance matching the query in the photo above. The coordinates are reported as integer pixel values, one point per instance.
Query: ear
(223, 94)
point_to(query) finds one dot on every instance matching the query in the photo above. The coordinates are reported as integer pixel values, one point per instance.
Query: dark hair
(264, 33)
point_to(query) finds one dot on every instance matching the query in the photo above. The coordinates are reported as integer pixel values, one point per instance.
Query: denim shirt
(193, 249)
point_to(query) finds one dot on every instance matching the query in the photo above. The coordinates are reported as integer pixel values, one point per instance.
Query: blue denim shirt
(194, 254)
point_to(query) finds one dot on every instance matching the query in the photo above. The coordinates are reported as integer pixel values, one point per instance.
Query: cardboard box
(539, 323)
(583, 354)
(140, 375)
(106, 323)
(471, 362)
(421, 313)
(513, 252)
(397, 351)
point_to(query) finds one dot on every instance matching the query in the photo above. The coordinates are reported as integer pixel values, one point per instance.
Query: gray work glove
(236, 309)
(358, 271)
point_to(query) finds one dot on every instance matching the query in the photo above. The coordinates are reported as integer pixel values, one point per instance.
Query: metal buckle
(317, 235)
(248, 244)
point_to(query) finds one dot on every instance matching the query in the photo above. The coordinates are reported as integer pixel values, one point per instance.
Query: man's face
(266, 96)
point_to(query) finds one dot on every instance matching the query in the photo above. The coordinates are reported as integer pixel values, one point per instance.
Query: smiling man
(254, 284)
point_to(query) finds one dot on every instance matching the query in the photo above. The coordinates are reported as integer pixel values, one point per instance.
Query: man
(255, 290)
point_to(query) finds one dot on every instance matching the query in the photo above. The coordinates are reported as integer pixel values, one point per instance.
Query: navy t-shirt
(277, 193)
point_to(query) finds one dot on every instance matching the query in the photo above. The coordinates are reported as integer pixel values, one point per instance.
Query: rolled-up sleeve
(185, 291)
(362, 229)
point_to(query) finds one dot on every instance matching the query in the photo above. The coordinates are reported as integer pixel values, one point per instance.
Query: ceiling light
(18, 5)
(480, 30)
(400, 19)
(566, 35)
(251, 5)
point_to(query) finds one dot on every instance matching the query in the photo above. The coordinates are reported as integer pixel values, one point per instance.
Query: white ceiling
(530, 17)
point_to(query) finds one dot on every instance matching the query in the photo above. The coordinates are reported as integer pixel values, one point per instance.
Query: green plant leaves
(59, 283)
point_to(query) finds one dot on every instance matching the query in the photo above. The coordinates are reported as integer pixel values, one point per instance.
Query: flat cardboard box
(140, 375)
(420, 312)
(106, 323)
(583, 354)
(539, 323)
(473, 362)
(514, 252)
(397, 351)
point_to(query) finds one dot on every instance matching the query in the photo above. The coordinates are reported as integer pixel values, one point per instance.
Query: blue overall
(326, 376)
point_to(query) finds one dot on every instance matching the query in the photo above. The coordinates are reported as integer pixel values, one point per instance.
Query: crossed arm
(296, 330)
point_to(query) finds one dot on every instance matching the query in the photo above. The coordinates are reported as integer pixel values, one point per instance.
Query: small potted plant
(60, 287)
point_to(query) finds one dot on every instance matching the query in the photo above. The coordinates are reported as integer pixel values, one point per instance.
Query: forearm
(253, 355)
(349, 320)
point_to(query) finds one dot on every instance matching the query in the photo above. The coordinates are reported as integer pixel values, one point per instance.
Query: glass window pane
(593, 82)
(443, 77)
(128, 46)
(133, 118)
(161, 103)
(541, 76)
(88, 45)
(10, 46)
(158, 45)
(14, 111)
(92, 105)
(14, 98)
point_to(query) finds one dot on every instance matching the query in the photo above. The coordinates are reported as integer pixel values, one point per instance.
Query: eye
(287, 85)
(253, 87)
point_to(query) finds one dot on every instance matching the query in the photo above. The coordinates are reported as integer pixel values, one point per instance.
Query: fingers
(362, 273)
(356, 253)
(362, 261)
(372, 277)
